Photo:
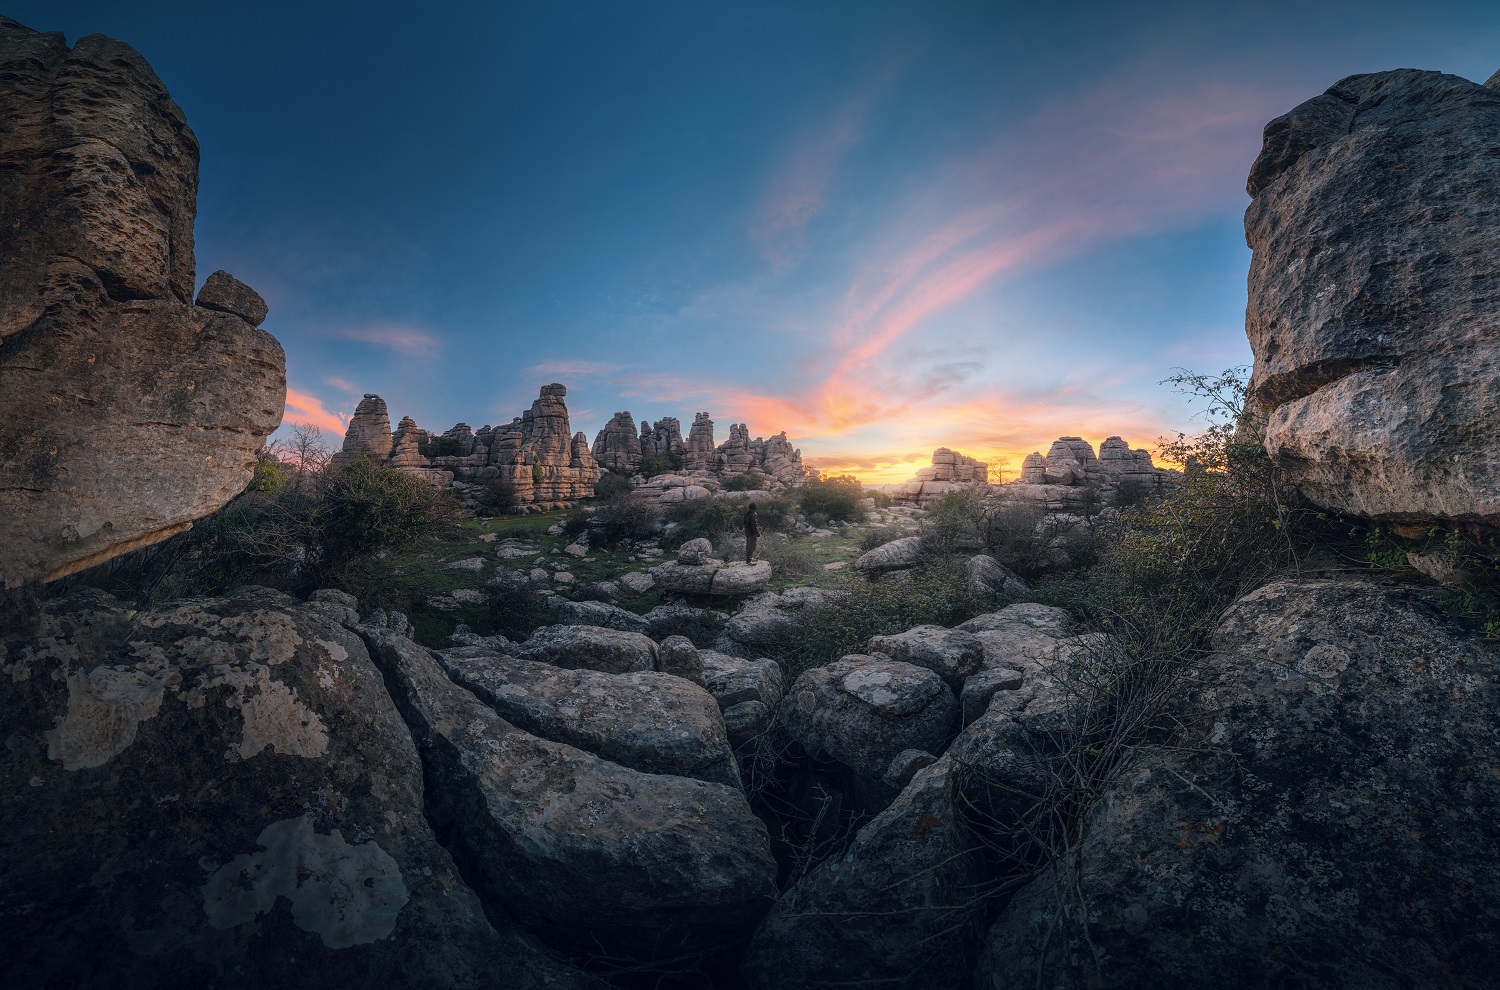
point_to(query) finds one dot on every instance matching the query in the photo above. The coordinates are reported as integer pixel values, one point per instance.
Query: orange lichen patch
(927, 822)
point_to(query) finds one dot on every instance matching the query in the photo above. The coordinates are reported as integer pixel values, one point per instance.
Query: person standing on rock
(752, 532)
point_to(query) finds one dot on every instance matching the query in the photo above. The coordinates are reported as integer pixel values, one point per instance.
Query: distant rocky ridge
(1069, 472)
(130, 411)
(774, 462)
(549, 465)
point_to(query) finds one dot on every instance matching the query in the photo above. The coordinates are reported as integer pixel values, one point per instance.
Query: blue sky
(880, 227)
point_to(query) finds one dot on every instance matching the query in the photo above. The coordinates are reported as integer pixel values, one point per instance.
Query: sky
(880, 227)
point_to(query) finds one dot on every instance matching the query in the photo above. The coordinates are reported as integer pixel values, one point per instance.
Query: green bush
(626, 518)
(838, 497)
(746, 482)
(497, 497)
(442, 446)
(366, 508)
(612, 486)
(1130, 492)
(661, 464)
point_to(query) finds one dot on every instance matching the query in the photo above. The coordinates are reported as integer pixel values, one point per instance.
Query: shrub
(747, 482)
(497, 496)
(1130, 492)
(515, 608)
(661, 464)
(612, 486)
(366, 508)
(625, 518)
(443, 446)
(838, 497)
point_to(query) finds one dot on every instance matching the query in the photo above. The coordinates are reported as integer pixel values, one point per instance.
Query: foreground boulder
(129, 411)
(220, 792)
(593, 855)
(952, 654)
(862, 711)
(611, 651)
(896, 555)
(655, 723)
(1372, 305)
(1327, 820)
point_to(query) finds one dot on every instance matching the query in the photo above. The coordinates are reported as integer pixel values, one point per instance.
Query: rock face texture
(606, 858)
(1374, 308)
(368, 434)
(221, 792)
(1070, 474)
(699, 455)
(129, 411)
(617, 447)
(1328, 820)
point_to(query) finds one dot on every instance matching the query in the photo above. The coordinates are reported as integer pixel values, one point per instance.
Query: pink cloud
(307, 410)
(571, 368)
(343, 385)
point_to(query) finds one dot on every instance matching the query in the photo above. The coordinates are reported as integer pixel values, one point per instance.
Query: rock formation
(368, 434)
(1374, 308)
(617, 447)
(699, 455)
(949, 471)
(1070, 474)
(536, 452)
(662, 440)
(129, 411)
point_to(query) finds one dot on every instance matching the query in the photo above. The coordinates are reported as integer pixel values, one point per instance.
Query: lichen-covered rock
(1326, 820)
(862, 711)
(747, 692)
(1017, 636)
(893, 556)
(129, 412)
(991, 579)
(611, 651)
(593, 855)
(679, 657)
(601, 614)
(220, 792)
(648, 721)
(762, 624)
(952, 654)
(1374, 305)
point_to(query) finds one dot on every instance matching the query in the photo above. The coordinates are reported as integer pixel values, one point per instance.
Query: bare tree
(307, 454)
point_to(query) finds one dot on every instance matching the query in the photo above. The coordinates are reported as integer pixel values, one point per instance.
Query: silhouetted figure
(752, 532)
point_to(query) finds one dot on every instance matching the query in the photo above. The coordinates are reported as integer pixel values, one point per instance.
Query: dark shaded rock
(893, 556)
(598, 857)
(220, 792)
(650, 722)
(227, 294)
(678, 656)
(1374, 303)
(952, 654)
(612, 651)
(1328, 819)
(862, 711)
(129, 412)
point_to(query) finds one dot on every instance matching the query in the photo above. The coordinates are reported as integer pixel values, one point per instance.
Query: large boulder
(747, 692)
(762, 626)
(655, 723)
(1374, 302)
(1326, 819)
(129, 411)
(893, 556)
(596, 856)
(952, 654)
(862, 711)
(713, 577)
(220, 792)
(611, 651)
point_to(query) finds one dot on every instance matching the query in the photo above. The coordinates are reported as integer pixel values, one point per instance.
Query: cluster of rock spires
(773, 462)
(250, 790)
(130, 409)
(1069, 470)
(549, 465)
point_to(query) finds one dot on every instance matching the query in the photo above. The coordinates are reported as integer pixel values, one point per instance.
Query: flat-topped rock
(713, 577)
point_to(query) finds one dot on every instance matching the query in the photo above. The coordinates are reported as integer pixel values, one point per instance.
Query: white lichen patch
(346, 894)
(1324, 660)
(273, 716)
(105, 710)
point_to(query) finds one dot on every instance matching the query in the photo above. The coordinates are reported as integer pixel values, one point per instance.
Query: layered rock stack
(1374, 226)
(537, 452)
(618, 447)
(949, 471)
(130, 410)
(368, 434)
(662, 441)
(1071, 473)
(699, 455)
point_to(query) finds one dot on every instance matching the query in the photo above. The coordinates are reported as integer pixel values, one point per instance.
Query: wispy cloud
(798, 189)
(342, 384)
(307, 410)
(402, 339)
